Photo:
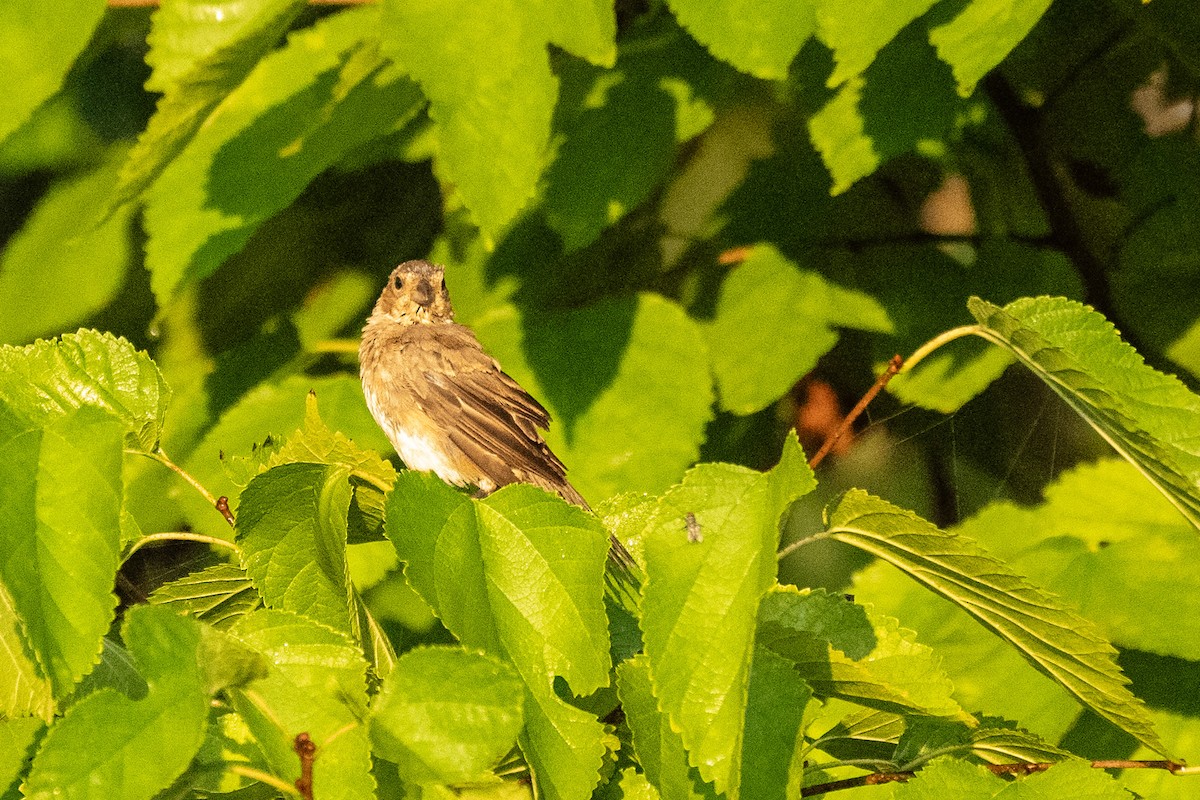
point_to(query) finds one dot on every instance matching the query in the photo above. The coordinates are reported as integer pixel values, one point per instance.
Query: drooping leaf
(38, 44)
(759, 38)
(1058, 642)
(446, 716)
(60, 505)
(773, 322)
(217, 595)
(291, 527)
(660, 750)
(843, 651)
(710, 556)
(300, 110)
(857, 33)
(1150, 418)
(64, 263)
(528, 587)
(144, 744)
(486, 72)
(48, 379)
(982, 34)
(316, 684)
(626, 382)
(210, 54)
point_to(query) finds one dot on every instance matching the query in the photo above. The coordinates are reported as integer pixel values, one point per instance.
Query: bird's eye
(398, 282)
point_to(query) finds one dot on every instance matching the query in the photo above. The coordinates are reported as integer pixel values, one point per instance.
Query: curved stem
(939, 340)
(786, 551)
(264, 777)
(179, 536)
(221, 504)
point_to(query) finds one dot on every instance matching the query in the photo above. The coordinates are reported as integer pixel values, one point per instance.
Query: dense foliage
(689, 228)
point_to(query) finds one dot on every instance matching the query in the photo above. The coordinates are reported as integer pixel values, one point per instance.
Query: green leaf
(291, 526)
(844, 651)
(218, 595)
(109, 746)
(48, 379)
(446, 716)
(1058, 642)
(25, 689)
(857, 33)
(616, 151)
(486, 72)
(659, 749)
(210, 52)
(316, 685)
(1150, 418)
(270, 410)
(17, 734)
(300, 110)
(60, 505)
(982, 34)
(38, 44)
(904, 98)
(710, 556)
(775, 706)
(947, 777)
(626, 382)
(528, 587)
(773, 322)
(759, 38)
(63, 264)
(585, 28)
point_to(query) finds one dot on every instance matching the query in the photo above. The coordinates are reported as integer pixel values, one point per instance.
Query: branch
(892, 368)
(221, 503)
(878, 778)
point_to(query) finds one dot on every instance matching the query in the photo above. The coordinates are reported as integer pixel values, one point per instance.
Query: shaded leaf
(1058, 642)
(217, 595)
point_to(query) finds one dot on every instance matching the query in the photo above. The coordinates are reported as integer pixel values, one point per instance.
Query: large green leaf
(60, 507)
(759, 37)
(486, 72)
(38, 44)
(205, 52)
(519, 574)
(710, 556)
(626, 382)
(1057, 641)
(64, 263)
(291, 526)
(49, 379)
(1150, 418)
(446, 716)
(316, 684)
(300, 110)
(845, 651)
(773, 322)
(982, 34)
(109, 746)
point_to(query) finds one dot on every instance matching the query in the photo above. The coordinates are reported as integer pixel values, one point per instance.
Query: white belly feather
(418, 451)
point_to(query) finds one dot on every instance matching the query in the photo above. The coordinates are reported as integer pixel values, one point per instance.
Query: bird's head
(415, 294)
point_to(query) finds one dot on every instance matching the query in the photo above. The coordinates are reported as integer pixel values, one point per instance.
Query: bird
(444, 403)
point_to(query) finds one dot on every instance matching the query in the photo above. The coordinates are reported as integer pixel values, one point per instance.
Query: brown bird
(445, 404)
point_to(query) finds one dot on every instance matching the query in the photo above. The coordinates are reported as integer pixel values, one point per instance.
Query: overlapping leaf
(49, 379)
(199, 74)
(25, 691)
(519, 575)
(857, 33)
(1150, 418)
(446, 716)
(946, 777)
(1058, 642)
(301, 109)
(710, 556)
(60, 505)
(146, 743)
(759, 38)
(981, 34)
(218, 595)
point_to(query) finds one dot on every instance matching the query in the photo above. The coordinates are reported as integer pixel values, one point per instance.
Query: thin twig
(180, 536)
(892, 368)
(307, 751)
(221, 504)
(264, 777)
(877, 778)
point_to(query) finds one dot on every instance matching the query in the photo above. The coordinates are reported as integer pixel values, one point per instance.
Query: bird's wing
(486, 413)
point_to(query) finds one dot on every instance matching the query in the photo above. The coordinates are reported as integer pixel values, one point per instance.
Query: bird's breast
(418, 442)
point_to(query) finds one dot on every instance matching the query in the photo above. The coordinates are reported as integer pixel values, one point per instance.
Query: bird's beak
(423, 294)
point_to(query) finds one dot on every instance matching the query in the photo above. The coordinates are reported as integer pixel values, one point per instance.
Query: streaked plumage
(443, 402)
